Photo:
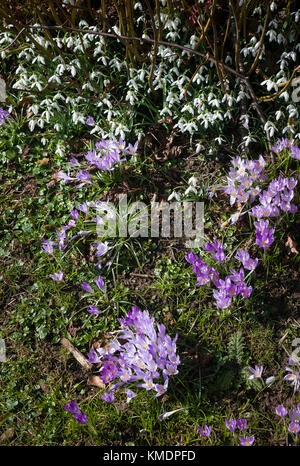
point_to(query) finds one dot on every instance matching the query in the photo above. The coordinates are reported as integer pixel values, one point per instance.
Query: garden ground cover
(216, 346)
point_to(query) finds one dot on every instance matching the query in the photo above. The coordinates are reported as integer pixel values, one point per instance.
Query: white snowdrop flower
(46, 115)
(97, 50)
(190, 189)
(108, 114)
(280, 39)
(59, 150)
(193, 181)
(219, 140)
(285, 96)
(172, 195)
(270, 128)
(60, 69)
(273, 6)
(44, 141)
(288, 129)
(199, 147)
(34, 109)
(292, 111)
(142, 74)
(73, 71)
(69, 42)
(32, 124)
(38, 85)
(278, 114)
(228, 60)
(188, 108)
(273, 23)
(57, 127)
(69, 100)
(165, 111)
(248, 139)
(96, 129)
(83, 24)
(272, 35)
(54, 78)
(138, 5)
(41, 122)
(293, 56)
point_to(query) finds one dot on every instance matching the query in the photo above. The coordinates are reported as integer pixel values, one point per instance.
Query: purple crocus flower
(108, 397)
(223, 301)
(294, 427)
(72, 407)
(3, 115)
(204, 431)
(93, 357)
(58, 276)
(231, 424)
(74, 214)
(48, 246)
(130, 394)
(87, 287)
(81, 418)
(241, 424)
(280, 411)
(247, 441)
(99, 282)
(93, 310)
(256, 373)
(295, 414)
(74, 162)
(90, 121)
(84, 176)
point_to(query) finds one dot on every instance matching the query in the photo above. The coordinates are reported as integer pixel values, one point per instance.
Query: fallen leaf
(44, 160)
(95, 381)
(8, 434)
(291, 245)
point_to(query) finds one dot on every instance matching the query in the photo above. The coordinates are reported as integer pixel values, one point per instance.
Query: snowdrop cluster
(199, 105)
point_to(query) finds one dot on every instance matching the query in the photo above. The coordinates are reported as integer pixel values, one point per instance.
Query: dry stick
(155, 50)
(14, 40)
(254, 64)
(172, 45)
(77, 355)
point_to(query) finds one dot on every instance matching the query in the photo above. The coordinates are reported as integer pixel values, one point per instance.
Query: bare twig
(77, 355)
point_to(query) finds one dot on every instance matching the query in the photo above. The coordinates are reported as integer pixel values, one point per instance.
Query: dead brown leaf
(44, 160)
(7, 435)
(95, 381)
(291, 245)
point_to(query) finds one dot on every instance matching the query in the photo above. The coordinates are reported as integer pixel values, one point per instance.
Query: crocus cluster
(294, 415)
(141, 353)
(3, 115)
(289, 144)
(72, 407)
(231, 424)
(293, 371)
(107, 153)
(276, 197)
(244, 186)
(64, 238)
(243, 179)
(240, 424)
(233, 284)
